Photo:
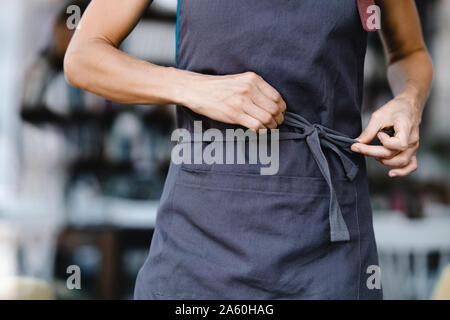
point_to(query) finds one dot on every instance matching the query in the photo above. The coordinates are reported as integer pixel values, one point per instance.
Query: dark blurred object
(101, 252)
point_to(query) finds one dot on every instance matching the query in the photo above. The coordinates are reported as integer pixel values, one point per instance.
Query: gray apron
(227, 232)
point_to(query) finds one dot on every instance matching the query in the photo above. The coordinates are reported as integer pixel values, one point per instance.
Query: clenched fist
(243, 99)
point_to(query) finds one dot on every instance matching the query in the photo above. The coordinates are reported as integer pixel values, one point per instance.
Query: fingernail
(355, 149)
(392, 174)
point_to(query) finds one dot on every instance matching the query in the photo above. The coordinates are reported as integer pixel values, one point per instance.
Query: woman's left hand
(398, 151)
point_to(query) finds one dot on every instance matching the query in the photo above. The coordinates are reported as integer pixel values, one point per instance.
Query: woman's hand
(243, 99)
(410, 74)
(398, 151)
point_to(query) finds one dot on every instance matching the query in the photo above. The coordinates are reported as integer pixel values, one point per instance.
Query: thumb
(369, 133)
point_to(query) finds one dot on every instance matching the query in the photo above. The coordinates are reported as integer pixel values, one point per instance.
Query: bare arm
(410, 74)
(93, 62)
(410, 71)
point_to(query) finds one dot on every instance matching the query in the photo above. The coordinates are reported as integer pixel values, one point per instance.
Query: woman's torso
(224, 231)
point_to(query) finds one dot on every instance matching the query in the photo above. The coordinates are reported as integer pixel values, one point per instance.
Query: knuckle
(267, 119)
(251, 76)
(250, 124)
(389, 154)
(415, 139)
(404, 161)
(257, 125)
(277, 97)
(245, 88)
(273, 109)
(403, 145)
(375, 116)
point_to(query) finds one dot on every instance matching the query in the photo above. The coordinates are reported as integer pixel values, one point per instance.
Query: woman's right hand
(243, 99)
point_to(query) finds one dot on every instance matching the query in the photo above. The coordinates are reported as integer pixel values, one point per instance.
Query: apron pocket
(244, 235)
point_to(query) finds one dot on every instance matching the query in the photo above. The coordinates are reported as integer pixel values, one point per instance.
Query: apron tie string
(318, 136)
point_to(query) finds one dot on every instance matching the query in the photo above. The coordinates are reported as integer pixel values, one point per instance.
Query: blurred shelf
(41, 115)
(100, 166)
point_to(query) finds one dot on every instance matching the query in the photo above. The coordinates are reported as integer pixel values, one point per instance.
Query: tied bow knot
(317, 137)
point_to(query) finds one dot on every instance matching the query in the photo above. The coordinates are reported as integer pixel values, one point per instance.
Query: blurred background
(80, 176)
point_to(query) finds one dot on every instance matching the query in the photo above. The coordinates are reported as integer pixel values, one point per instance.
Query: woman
(225, 231)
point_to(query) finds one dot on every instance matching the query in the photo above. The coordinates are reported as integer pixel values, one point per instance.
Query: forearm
(411, 77)
(99, 67)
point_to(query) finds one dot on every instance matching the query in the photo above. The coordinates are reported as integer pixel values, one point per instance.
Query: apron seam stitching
(247, 190)
(244, 174)
(359, 243)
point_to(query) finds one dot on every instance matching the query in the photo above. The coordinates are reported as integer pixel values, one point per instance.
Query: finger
(402, 132)
(270, 92)
(266, 104)
(373, 151)
(250, 122)
(400, 160)
(273, 105)
(369, 133)
(279, 118)
(400, 141)
(393, 143)
(401, 172)
(260, 114)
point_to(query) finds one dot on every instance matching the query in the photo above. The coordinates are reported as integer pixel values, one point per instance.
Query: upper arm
(109, 20)
(401, 32)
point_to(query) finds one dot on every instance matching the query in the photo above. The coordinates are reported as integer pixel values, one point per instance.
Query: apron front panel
(272, 238)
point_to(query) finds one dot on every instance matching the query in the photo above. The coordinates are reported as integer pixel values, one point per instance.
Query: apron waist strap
(318, 136)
